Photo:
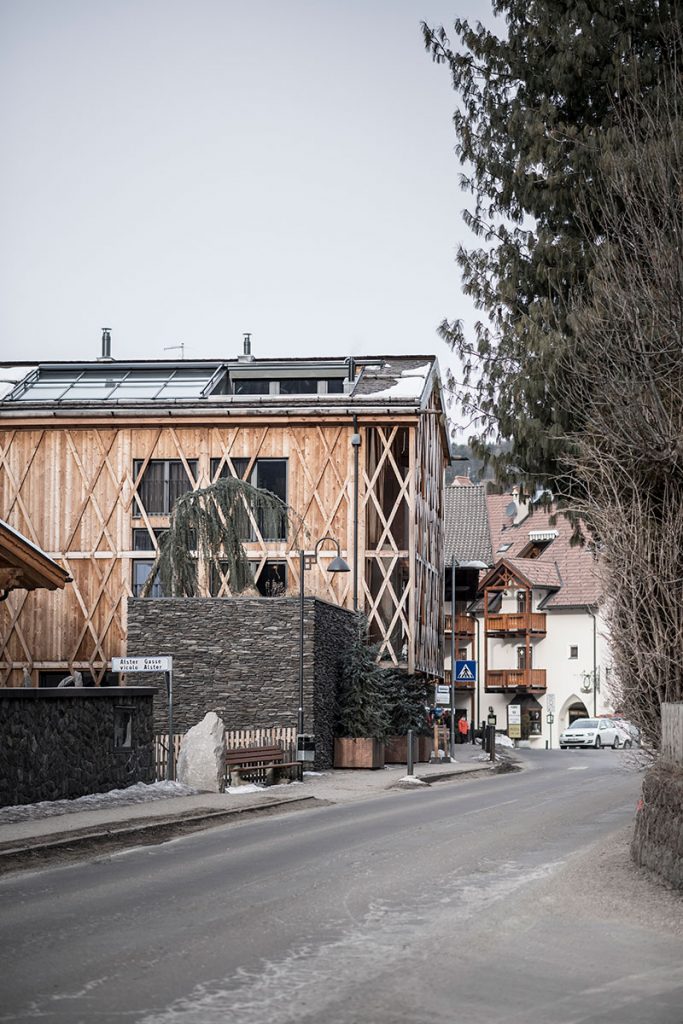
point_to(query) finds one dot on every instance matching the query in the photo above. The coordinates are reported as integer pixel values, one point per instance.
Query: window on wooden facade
(142, 567)
(271, 581)
(268, 475)
(142, 540)
(163, 481)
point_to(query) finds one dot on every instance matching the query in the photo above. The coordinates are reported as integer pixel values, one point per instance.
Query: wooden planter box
(396, 749)
(360, 753)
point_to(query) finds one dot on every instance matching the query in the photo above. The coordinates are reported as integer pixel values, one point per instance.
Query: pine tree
(535, 108)
(407, 698)
(361, 699)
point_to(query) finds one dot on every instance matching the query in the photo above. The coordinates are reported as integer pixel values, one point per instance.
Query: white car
(592, 732)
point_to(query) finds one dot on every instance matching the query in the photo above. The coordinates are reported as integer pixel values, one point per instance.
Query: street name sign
(160, 664)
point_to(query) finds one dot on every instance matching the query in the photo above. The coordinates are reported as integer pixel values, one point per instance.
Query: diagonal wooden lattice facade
(73, 485)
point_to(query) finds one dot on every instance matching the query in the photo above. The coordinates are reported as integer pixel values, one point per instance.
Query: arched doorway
(572, 709)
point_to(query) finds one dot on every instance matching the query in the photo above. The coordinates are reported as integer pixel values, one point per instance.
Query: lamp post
(306, 560)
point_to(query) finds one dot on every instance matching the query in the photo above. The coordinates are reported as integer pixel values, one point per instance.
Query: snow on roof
(10, 376)
(409, 385)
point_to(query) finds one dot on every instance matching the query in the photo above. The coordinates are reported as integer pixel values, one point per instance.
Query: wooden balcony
(516, 624)
(506, 679)
(464, 625)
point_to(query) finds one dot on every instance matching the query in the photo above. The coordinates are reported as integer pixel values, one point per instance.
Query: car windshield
(584, 723)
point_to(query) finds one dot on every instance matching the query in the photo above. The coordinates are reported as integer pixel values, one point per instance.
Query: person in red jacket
(463, 729)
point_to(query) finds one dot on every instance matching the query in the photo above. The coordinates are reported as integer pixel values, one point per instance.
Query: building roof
(23, 566)
(567, 571)
(466, 531)
(378, 380)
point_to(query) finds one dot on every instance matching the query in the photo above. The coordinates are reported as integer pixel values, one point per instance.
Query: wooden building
(93, 455)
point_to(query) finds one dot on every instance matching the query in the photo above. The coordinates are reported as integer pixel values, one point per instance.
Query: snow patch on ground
(504, 741)
(249, 787)
(140, 793)
(412, 780)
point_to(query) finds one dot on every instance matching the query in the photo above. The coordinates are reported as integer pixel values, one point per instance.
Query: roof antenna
(174, 348)
(106, 345)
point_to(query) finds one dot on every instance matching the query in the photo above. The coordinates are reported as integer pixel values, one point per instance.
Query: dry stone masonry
(58, 744)
(239, 657)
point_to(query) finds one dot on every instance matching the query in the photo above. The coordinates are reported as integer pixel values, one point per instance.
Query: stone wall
(239, 657)
(59, 744)
(658, 836)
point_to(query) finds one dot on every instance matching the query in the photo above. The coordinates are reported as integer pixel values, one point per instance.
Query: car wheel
(627, 744)
(598, 742)
(562, 748)
(615, 745)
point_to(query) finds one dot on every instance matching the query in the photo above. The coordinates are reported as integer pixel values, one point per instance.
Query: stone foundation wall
(59, 744)
(658, 837)
(239, 657)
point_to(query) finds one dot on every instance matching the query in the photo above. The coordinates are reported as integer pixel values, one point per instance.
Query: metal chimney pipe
(106, 343)
(247, 344)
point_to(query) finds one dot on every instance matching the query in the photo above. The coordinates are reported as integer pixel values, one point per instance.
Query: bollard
(491, 730)
(410, 752)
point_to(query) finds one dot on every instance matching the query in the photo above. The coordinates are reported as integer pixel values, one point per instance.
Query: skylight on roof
(103, 384)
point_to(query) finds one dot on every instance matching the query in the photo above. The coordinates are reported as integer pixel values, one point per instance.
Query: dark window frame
(167, 489)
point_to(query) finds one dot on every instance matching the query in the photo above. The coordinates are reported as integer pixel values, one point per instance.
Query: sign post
(515, 721)
(163, 664)
(550, 716)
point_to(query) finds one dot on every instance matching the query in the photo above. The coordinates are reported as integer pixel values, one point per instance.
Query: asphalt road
(488, 901)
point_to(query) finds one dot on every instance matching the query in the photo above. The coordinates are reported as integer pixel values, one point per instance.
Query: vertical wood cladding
(73, 489)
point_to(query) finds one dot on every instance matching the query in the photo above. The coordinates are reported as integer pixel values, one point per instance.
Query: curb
(146, 830)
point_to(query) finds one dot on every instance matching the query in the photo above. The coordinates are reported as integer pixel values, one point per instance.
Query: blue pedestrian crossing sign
(465, 671)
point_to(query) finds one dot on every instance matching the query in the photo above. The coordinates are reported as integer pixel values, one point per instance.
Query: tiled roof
(466, 531)
(538, 573)
(560, 565)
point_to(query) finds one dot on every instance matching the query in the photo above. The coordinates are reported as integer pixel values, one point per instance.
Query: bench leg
(235, 778)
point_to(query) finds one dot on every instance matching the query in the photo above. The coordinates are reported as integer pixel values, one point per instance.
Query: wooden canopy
(23, 566)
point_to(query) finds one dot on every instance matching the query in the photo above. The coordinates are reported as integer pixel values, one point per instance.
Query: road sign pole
(453, 654)
(170, 762)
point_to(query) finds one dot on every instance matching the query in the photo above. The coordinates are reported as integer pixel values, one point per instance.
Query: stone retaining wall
(658, 837)
(59, 744)
(239, 657)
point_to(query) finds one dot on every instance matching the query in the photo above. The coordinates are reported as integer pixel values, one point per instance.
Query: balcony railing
(501, 679)
(464, 625)
(519, 622)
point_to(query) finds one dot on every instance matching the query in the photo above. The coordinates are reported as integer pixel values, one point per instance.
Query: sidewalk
(152, 820)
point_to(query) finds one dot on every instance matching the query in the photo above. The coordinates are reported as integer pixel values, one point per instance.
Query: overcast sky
(187, 170)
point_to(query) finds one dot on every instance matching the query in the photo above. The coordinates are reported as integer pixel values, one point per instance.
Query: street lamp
(306, 560)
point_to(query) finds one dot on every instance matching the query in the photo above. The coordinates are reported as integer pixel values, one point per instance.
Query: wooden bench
(259, 764)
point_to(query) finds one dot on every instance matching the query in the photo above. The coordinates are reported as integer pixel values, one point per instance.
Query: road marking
(578, 768)
(489, 807)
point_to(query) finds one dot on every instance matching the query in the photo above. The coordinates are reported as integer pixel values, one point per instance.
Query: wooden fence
(672, 734)
(235, 739)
